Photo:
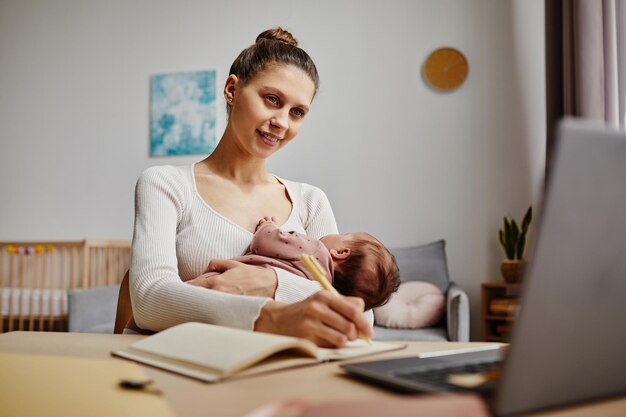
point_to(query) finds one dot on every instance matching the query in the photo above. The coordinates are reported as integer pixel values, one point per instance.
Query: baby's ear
(340, 254)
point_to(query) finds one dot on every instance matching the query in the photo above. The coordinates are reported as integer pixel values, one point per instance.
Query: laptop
(568, 343)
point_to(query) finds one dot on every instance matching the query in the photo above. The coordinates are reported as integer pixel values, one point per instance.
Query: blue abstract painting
(183, 113)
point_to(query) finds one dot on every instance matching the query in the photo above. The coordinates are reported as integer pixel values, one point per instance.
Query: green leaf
(507, 228)
(520, 246)
(528, 217)
(503, 243)
(514, 232)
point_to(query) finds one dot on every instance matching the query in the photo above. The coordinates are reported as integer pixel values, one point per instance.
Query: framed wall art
(183, 113)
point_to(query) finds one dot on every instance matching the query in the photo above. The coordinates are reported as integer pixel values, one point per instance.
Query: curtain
(585, 62)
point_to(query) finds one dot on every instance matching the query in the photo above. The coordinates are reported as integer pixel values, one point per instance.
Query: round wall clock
(445, 69)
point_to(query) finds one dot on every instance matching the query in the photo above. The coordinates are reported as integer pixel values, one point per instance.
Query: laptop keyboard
(438, 376)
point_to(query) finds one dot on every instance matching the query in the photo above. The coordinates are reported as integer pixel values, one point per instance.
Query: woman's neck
(230, 163)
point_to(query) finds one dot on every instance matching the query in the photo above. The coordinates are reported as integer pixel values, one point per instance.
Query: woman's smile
(268, 138)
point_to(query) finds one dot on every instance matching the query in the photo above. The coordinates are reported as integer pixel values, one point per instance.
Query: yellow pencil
(320, 276)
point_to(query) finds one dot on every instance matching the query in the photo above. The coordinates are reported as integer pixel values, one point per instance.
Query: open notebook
(212, 353)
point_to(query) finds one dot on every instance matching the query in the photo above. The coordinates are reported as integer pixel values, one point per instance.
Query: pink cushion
(417, 304)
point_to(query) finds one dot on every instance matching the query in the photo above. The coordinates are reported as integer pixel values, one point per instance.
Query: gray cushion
(93, 310)
(430, 334)
(424, 263)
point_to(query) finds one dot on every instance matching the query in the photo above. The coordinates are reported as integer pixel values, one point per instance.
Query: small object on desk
(137, 385)
(318, 273)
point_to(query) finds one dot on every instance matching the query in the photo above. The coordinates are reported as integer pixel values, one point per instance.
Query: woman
(185, 216)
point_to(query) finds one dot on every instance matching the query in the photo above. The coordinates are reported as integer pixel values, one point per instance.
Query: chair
(428, 263)
(124, 308)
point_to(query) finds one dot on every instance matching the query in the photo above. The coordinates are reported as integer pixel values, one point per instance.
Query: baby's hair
(374, 286)
(273, 46)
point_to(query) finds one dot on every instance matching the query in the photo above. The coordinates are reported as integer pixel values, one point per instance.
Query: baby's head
(363, 266)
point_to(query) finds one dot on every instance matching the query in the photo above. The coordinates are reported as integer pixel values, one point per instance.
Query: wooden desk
(189, 398)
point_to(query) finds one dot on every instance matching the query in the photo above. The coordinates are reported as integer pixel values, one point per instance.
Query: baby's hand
(266, 219)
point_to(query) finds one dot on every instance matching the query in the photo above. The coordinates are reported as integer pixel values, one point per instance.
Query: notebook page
(222, 349)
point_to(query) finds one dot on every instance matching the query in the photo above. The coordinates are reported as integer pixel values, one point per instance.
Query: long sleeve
(159, 296)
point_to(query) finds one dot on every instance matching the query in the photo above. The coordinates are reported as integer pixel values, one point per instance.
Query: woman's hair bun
(278, 34)
(273, 46)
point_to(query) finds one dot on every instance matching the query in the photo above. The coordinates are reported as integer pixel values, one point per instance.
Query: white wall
(397, 159)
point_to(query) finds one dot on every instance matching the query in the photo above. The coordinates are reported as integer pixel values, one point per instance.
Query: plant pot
(513, 270)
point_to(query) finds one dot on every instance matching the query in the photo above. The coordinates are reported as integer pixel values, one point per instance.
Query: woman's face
(268, 111)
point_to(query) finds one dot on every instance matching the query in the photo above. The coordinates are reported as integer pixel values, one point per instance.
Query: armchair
(428, 263)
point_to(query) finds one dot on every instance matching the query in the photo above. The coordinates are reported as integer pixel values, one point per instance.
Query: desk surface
(237, 397)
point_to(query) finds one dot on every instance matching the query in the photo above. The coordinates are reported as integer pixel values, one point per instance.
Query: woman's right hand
(237, 278)
(323, 318)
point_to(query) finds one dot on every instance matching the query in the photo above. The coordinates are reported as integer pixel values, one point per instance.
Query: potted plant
(513, 240)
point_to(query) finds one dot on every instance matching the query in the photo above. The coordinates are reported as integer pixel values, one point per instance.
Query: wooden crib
(35, 278)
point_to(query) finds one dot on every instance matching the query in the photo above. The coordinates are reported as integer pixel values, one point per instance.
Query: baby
(357, 264)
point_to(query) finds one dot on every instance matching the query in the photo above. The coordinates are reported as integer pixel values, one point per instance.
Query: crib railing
(35, 278)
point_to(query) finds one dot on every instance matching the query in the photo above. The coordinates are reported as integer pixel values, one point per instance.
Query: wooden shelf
(496, 339)
(500, 318)
(503, 298)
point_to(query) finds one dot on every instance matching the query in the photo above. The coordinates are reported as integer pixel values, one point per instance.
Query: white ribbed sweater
(177, 233)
